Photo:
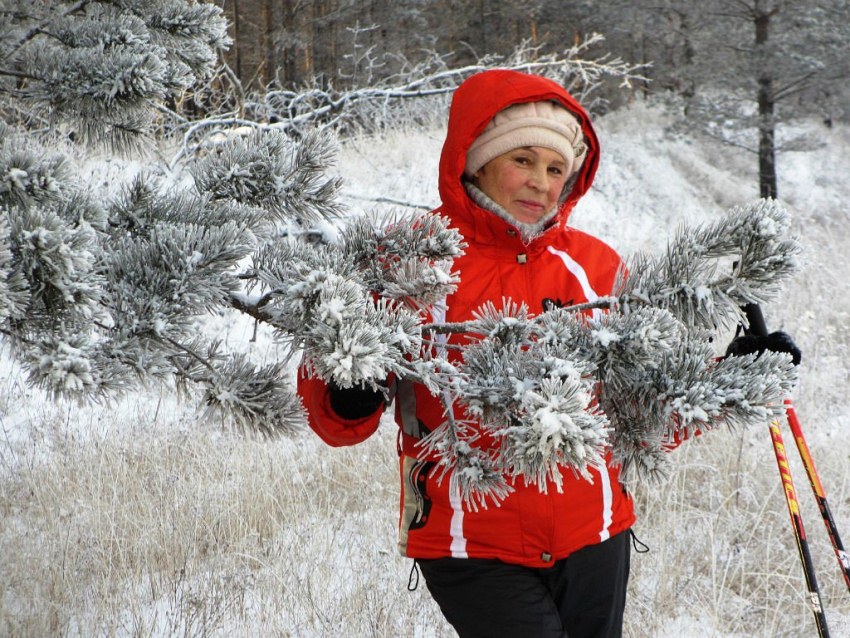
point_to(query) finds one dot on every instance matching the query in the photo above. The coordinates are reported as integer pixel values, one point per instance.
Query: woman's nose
(537, 179)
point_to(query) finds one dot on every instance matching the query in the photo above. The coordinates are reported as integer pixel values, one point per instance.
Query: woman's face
(526, 181)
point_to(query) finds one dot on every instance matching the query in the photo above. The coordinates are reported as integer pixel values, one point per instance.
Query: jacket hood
(474, 104)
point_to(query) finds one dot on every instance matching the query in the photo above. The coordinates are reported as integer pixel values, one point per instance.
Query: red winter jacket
(562, 265)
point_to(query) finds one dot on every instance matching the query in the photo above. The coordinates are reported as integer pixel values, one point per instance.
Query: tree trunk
(269, 48)
(767, 127)
(237, 48)
(482, 24)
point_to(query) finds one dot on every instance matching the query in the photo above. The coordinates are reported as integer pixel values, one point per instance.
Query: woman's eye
(555, 170)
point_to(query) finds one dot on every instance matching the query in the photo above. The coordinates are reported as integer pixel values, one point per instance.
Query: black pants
(581, 596)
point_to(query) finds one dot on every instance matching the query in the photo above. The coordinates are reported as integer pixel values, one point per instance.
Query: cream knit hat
(545, 124)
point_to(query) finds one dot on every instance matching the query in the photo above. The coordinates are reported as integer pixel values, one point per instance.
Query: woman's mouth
(531, 205)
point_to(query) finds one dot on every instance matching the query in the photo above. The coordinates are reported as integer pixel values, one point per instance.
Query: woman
(519, 153)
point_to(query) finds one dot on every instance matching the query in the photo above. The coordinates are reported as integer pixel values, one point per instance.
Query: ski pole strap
(413, 577)
(639, 546)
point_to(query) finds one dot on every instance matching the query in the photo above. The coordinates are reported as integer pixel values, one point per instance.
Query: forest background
(727, 62)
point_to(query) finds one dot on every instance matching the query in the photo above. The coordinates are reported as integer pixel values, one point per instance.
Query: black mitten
(355, 402)
(774, 342)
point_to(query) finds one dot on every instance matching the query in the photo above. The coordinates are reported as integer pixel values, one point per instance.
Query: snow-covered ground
(139, 519)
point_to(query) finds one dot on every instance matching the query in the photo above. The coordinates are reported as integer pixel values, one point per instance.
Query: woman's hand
(755, 344)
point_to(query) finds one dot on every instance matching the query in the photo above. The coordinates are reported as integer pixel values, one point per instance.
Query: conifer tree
(99, 296)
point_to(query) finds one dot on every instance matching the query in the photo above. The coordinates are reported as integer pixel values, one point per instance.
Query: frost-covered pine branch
(649, 361)
(354, 307)
(559, 390)
(12, 285)
(531, 400)
(101, 68)
(707, 273)
(533, 397)
(258, 398)
(661, 381)
(268, 170)
(98, 298)
(49, 228)
(348, 339)
(99, 294)
(474, 473)
(404, 258)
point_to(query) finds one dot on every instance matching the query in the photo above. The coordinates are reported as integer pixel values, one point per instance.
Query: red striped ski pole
(799, 530)
(817, 488)
(758, 327)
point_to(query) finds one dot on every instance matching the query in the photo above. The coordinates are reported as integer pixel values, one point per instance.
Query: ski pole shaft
(757, 326)
(817, 488)
(799, 531)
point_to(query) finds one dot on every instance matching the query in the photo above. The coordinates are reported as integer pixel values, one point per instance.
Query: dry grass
(164, 529)
(722, 547)
(159, 527)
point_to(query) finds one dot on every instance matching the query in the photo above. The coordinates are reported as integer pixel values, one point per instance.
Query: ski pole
(758, 327)
(817, 488)
(799, 530)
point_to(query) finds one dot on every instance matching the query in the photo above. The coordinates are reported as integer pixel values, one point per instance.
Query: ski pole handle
(755, 318)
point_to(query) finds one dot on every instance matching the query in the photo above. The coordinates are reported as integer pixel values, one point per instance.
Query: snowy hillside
(141, 519)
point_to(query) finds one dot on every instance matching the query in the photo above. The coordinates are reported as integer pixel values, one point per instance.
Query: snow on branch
(103, 68)
(649, 362)
(533, 397)
(256, 398)
(269, 170)
(533, 394)
(56, 264)
(353, 307)
(385, 101)
(472, 471)
(98, 298)
(404, 258)
(708, 273)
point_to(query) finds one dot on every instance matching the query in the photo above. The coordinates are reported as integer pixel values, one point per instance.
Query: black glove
(355, 402)
(774, 342)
